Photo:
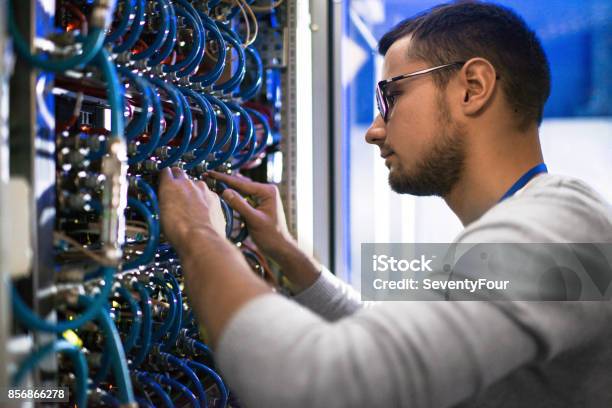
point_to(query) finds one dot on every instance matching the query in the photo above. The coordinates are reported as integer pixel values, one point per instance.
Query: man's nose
(376, 133)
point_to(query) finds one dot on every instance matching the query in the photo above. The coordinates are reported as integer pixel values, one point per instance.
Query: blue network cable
(164, 379)
(194, 346)
(174, 95)
(147, 325)
(58, 346)
(146, 149)
(251, 255)
(243, 158)
(143, 403)
(230, 134)
(211, 142)
(224, 154)
(148, 190)
(207, 112)
(139, 124)
(169, 320)
(167, 47)
(244, 116)
(131, 339)
(145, 379)
(177, 324)
(135, 326)
(162, 31)
(92, 44)
(153, 239)
(216, 71)
(204, 151)
(115, 99)
(178, 152)
(228, 213)
(183, 365)
(197, 46)
(124, 23)
(114, 346)
(250, 140)
(229, 85)
(202, 347)
(242, 235)
(115, 92)
(31, 320)
(261, 118)
(255, 87)
(150, 218)
(135, 29)
(191, 67)
(216, 378)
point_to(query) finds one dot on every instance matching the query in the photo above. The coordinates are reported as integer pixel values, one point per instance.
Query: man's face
(422, 145)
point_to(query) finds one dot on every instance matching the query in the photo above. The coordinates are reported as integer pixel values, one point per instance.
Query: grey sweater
(326, 348)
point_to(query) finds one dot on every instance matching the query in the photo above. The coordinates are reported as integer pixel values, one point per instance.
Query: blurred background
(576, 133)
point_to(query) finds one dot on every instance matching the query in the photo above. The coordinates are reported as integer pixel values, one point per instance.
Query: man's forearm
(301, 269)
(227, 284)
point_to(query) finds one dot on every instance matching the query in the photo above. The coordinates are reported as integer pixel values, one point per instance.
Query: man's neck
(490, 173)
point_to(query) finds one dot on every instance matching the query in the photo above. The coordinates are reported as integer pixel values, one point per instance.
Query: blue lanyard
(525, 178)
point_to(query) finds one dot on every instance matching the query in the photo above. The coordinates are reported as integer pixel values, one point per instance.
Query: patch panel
(124, 89)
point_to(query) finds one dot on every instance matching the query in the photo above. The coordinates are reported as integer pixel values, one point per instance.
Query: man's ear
(478, 79)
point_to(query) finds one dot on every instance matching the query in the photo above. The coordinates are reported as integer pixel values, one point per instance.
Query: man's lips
(387, 157)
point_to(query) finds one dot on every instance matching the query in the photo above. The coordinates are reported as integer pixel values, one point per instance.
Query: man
(465, 127)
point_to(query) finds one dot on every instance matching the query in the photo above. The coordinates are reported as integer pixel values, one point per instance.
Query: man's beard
(438, 171)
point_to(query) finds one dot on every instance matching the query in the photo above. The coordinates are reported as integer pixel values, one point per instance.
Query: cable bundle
(147, 84)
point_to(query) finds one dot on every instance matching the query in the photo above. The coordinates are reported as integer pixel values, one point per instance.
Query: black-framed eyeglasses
(385, 101)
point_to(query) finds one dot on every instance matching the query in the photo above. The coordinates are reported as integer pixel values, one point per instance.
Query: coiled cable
(162, 31)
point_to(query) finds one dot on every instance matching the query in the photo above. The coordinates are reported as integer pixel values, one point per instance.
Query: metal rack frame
(297, 188)
(5, 310)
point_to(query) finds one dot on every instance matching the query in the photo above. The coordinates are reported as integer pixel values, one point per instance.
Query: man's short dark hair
(463, 30)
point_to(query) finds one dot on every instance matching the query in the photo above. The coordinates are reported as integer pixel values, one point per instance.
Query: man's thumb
(240, 204)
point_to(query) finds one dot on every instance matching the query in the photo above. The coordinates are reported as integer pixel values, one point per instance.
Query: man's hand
(187, 207)
(266, 221)
(218, 280)
(268, 228)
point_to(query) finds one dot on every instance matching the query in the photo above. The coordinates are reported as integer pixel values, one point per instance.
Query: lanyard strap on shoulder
(525, 178)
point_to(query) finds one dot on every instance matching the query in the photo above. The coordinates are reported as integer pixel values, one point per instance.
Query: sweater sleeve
(276, 353)
(330, 297)
(335, 353)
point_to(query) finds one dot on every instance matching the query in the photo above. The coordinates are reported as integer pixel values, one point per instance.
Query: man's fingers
(202, 186)
(241, 177)
(178, 173)
(165, 177)
(245, 186)
(238, 203)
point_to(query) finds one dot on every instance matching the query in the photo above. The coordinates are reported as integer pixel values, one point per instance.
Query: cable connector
(114, 199)
(102, 14)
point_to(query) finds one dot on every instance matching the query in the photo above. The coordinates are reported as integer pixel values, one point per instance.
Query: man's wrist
(198, 240)
(301, 269)
(285, 251)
